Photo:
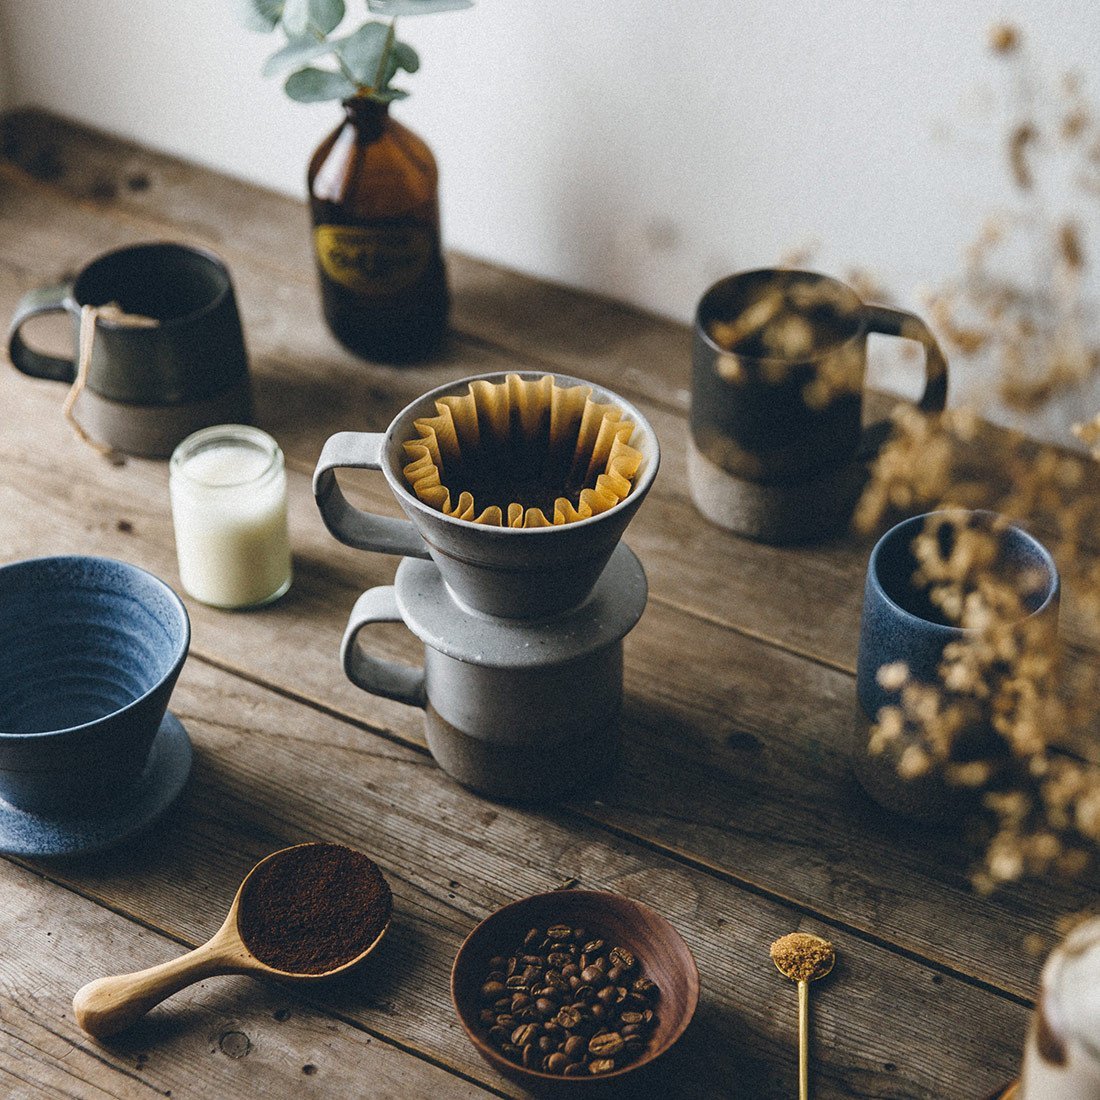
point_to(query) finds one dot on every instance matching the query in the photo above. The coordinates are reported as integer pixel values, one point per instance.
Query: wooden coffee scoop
(109, 1005)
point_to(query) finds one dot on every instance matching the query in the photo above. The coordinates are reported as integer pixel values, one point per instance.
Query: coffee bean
(575, 1047)
(604, 1046)
(524, 1034)
(620, 957)
(556, 1063)
(566, 1009)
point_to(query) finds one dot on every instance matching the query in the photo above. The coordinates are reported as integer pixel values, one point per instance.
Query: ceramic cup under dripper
(515, 572)
(518, 710)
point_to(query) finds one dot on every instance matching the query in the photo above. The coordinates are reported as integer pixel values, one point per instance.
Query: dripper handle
(109, 1005)
(363, 530)
(388, 679)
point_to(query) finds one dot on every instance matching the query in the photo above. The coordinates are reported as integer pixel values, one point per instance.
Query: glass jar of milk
(228, 490)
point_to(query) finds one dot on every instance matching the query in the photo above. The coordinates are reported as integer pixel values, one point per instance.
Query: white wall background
(637, 148)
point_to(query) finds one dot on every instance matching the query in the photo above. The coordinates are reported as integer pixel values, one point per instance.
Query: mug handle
(37, 364)
(898, 322)
(389, 679)
(363, 530)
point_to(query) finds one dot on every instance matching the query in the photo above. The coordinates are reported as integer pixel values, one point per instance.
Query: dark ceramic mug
(900, 624)
(764, 460)
(90, 650)
(148, 387)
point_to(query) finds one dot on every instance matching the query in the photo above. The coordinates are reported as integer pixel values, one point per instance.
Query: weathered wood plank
(231, 1038)
(271, 772)
(308, 387)
(763, 733)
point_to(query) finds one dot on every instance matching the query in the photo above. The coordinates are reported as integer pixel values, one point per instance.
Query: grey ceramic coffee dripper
(511, 572)
(518, 710)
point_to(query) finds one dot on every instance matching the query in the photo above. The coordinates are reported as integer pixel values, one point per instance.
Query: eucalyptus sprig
(363, 62)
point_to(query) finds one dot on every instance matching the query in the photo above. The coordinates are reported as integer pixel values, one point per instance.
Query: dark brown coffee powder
(313, 908)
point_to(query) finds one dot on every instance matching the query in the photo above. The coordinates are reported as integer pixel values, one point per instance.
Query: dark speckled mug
(148, 387)
(900, 624)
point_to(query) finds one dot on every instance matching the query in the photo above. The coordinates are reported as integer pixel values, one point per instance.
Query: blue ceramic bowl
(90, 650)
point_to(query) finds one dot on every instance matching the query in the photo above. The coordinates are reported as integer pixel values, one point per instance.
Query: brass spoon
(803, 958)
(109, 1005)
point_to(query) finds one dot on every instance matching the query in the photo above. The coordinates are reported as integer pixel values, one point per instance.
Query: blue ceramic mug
(901, 624)
(90, 650)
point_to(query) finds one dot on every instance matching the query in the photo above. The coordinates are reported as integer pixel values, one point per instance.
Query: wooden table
(733, 811)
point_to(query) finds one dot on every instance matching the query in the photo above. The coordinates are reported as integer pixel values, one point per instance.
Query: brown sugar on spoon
(802, 957)
(314, 909)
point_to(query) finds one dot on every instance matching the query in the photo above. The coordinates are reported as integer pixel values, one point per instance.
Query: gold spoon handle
(803, 1041)
(109, 1005)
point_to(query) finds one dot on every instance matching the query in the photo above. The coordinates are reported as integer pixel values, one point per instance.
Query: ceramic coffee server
(522, 627)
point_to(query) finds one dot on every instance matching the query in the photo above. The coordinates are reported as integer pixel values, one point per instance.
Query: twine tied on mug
(88, 317)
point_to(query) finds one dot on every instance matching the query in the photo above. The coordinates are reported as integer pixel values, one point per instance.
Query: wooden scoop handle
(108, 1005)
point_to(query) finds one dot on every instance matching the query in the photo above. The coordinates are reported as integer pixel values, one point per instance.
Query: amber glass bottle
(373, 189)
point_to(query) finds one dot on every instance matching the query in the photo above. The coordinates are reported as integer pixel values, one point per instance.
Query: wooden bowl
(661, 953)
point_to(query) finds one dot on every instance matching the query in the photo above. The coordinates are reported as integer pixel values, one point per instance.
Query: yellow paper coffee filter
(512, 453)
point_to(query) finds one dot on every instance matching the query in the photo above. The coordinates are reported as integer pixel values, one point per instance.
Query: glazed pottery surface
(762, 459)
(898, 625)
(148, 386)
(90, 649)
(83, 830)
(664, 957)
(511, 572)
(506, 700)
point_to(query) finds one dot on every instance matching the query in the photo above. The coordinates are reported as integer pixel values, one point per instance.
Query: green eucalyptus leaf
(311, 17)
(388, 95)
(393, 8)
(259, 15)
(316, 85)
(326, 15)
(403, 56)
(295, 19)
(295, 54)
(362, 51)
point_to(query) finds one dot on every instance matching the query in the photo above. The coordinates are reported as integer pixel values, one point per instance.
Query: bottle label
(374, 259)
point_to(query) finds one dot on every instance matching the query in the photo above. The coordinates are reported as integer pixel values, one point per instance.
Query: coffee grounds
(313, 908)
